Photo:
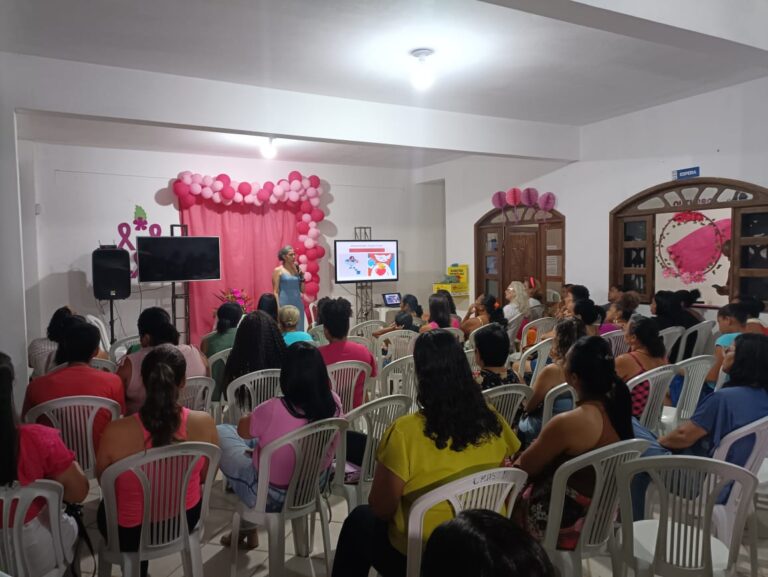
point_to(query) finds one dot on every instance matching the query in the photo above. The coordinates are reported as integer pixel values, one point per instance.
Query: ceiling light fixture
(422, 73)
(268, 149)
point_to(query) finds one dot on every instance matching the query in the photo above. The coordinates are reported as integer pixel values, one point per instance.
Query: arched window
(514, 244)
(705, 233)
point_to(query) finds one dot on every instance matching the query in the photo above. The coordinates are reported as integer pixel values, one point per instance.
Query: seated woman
(731, 321)
(602, 417)
(567, 332)
(32, 453)
(288, 319)
(485, 310)
(41, 351)
(403, 322)
(268, 304)
(687, 300)
(228, 316)
(307, 397)
(517, 299)
(646, 352)
(411, 306)
(491, 352)
(533, 289)
(455, 431)
(160, 422)
(619, 312)
(155, 329)
(439, 314)
(258, 345)
(451, 304)
(590, 314)
(753, 307)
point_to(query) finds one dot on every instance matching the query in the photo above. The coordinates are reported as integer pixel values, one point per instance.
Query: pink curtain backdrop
(250, 240)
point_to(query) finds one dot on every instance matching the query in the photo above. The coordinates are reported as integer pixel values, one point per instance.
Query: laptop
(391, 300)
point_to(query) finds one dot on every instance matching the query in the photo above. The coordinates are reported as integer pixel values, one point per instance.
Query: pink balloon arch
(543, 204)
(298, 193)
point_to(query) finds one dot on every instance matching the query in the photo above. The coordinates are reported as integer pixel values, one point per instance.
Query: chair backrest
(702, 332)
(688, 489)
(247, 392)
(313, 445)
(555, 393)
(400, 373)
(722, 378)
(15, 501)
(372, 419)
(103, 365)
(670, 336)
(365, 341)
(541, 351)
(120, 347)
(99, 324)
(366, 329)
(458, 333)
(659, 379)
(470, 342)
(491, 489)
(619, 344)
(540, 327)
(601, 512)
(220, 357)
(472, 359)
(695, 369)
(400, 345)
(535, 312)
(506, 399)
(196, 394)
(318, 335)
(163, 474)
(74, 417)
(344, 377)
(513, 326)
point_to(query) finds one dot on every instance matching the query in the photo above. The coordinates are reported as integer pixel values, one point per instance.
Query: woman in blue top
(288, 319)
(288, 283)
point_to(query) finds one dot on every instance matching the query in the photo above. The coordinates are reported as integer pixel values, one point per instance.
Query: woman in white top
(517, 300)
(42, 349)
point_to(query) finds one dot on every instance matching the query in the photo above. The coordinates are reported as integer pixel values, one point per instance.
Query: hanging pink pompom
(547, 201)
(498, 200)
(513, 196)
(530, 197)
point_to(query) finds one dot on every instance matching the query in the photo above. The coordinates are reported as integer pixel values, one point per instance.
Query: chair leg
(234, 540)
(192, 557)
(324, 525)
(131, 565)
(301, 537)
(276, 538)
(752, 528)
(105, 567)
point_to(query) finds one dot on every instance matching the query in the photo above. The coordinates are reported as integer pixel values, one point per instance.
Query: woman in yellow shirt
(455, 433)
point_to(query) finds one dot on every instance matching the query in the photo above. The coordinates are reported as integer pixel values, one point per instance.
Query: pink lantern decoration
(513, 196)
(547, 201)
(498, 200)
(530, 197)
(217, 186)
(294, 175)
(317, 215)
(227, 193)
(206, 192)
(320, 251)
(207, 180)
(180, 188)
(244, 188)
(224, 178)
(313, 233)
(238, 198)
(309, 243)
(195, 188)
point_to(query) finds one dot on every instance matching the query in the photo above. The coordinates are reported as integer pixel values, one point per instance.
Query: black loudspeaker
(111, 273)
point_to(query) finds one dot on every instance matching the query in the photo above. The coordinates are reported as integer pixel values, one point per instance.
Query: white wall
(84, 193)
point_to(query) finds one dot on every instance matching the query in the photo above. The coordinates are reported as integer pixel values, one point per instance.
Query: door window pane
(635, 231)
(635, 282)
(755, 287)
(492, 287)
(491, 241)
(755, 256)
(634, 258)
(754, 224)
(555, 239)
(554, 264)
(490, 265)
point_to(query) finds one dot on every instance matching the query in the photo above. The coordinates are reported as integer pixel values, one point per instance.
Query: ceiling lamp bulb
(268, 150)
(422, 73)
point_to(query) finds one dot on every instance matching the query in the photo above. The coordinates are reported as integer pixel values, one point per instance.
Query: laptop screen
(391, 299)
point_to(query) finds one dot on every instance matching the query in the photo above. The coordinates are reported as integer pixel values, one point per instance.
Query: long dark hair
(591, 360)
(412, 304)
(439, 310)
(65, 330)
(305, 383)
(670, 308)
(9, 422)
(258, 345)
(587, 311)
(156, 323)
(228, 315)
(268, 304)
(55, 330)
(162, 372)
(453, 406)
(750, 361)
(494, 310)
(449, 297)
(647, 332)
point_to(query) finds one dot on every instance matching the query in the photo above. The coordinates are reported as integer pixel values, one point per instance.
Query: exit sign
(683, 173)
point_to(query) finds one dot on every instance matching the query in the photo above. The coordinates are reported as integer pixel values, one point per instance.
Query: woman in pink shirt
(439, 314)
(307, 397)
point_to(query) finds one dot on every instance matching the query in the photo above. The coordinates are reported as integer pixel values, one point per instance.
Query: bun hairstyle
(647, 332)
(688, 298)
(288, 316)
(413, 305)
(228, 315)
(588, 312)
(55, 331)
(155, 322)
(405, 320)
(494, 310)
(9, 435)
(592, 361)
(163, 372)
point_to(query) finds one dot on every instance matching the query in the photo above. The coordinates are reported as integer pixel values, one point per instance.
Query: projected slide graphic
(364, 261)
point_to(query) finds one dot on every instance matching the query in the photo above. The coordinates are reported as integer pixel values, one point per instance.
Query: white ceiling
(76, 131)
(491, 60)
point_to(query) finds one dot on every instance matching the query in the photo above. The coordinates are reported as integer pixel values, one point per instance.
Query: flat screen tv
(366, 260)
(178, 258)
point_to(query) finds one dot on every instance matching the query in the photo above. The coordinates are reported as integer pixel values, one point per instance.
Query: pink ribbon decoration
(124, 230)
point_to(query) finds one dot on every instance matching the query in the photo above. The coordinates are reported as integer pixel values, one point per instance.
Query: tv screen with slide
(365, 260)
(178, 258)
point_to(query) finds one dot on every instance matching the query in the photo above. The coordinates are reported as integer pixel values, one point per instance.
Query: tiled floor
(217, 559)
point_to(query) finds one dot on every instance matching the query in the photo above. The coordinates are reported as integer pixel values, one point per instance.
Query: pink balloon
(317, 215)
(234, 184)
(244, 188)
(305, 207)
(309, 243)
(263, 195)
(513, 196)
(302, 238)
(256, 201)
(180, 188)
(284, 183)
(305, 182)
(295, 185)
(187, 178)
(197, 178)
(312, 224)
(320, 190)
(273, 199)
(185, 174)
(313, 233)
(313, 267)
(217, 185)
(206, 192)
(269, 186)
(224, 178)
(314, 181)
(207, 180)
(293, 196)
(227, 193)
(307, 277)
(238, 198)
(195, 188)
(498, 199)
(216, 197)
(278, 192)
(303, 258)
(254, 187)
(312, 253)
(311, 192)
(547, 201)
(320, 251)
(311, 288)
(250, 199)
(302, 227)
(306, 218)
(186, 201)
(294, 175)
(314, 201)
(298, 216)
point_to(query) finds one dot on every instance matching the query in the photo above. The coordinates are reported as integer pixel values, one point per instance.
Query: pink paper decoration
(514, 196)
(547, 201)
(530, 197)
(498, 200)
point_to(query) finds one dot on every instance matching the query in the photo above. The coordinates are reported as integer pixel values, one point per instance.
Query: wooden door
(521, 256)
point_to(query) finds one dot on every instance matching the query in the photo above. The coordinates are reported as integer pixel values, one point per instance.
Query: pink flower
(140, 223)
(668, 272)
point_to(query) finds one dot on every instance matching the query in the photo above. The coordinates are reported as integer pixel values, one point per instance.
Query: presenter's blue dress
(290, 294)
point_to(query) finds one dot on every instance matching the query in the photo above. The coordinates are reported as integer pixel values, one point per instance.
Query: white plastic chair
(670, 336)
(542, 326)
(695, 370)
(103, 365)
(470, 342)
(702, 332)
(513, 326)
(659, 379)
(344, 377)
(219, 359)
(458, 333)
(535, 312)
(318, 335)
(597, 531)
(372, 419)
(619, 344)
(311, 444)
(196, 394)
(17, 500)
(472, 360)
(491, 489)
(506, 399)
(120, 347)
(247, 392)
(722, 378)
(73, 417)
(99, 324)
(552, 396)
(680, 541)
(400, 345)
(398, 377)
(366, 329)
(163, 474)
(366, 342)
(541, 350)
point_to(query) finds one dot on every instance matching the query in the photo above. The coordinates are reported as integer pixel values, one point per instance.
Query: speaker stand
(111, 321)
